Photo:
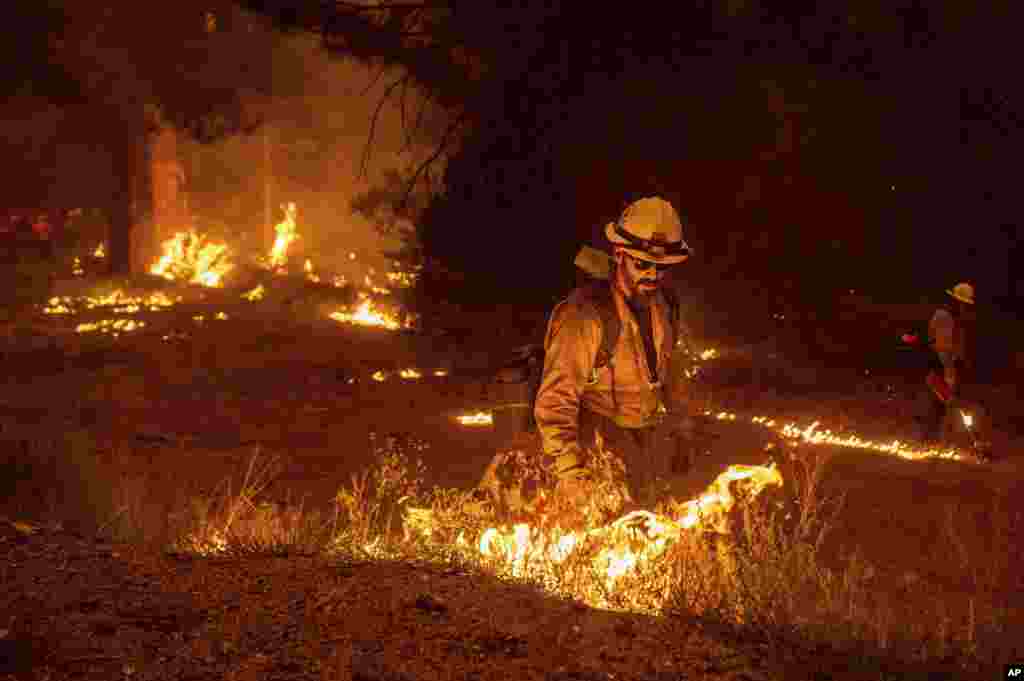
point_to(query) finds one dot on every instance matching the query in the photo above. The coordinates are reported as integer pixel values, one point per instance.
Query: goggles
(647, 265)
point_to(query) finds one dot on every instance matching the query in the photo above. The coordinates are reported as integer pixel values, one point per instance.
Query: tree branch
(364, 162)
(422, 168)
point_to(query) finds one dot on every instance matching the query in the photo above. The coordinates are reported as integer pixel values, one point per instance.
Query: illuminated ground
(190, 408)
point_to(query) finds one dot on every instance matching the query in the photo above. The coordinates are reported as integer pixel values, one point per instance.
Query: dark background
(811, 148)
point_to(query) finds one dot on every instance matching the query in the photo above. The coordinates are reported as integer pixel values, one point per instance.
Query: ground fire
(286, 234)
(189, 257)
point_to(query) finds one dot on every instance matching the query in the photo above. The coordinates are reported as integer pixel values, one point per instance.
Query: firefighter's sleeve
(571, 347)
(680, 386)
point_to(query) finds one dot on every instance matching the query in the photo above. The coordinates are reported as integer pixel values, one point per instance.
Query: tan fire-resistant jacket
(948, 338)
(570, 382)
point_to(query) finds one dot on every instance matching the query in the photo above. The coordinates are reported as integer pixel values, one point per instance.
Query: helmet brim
(664, 259)
(962, 299)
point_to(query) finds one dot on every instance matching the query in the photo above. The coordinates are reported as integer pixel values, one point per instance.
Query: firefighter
(622, 391)
(952, 362)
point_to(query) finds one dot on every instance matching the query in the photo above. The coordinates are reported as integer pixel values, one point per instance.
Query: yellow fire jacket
(621, 391)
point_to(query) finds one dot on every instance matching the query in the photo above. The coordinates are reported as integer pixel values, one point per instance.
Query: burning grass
(749, 553)
(754, 563)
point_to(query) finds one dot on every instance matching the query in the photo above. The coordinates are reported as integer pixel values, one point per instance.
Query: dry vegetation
(783, 580)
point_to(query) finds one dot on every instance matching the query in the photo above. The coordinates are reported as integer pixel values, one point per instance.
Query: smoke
(316, 128)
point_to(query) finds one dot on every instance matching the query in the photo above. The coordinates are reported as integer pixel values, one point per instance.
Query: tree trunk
(128, 151)
(167, 174)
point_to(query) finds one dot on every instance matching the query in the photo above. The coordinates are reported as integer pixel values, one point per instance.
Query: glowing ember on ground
(286, 234)
(402, 279)
(187, 257)
(480, 418)
(310, 274)
(410, 373)
(115, 327)
(117, 301)
(366, 315)
(255, 294)
(812, 435)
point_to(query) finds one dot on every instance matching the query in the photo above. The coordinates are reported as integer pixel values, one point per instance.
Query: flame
(710, 353)
(711, 508)
(255, 294)
(967, 418)
(379, 376)
(634, 539)
(187, 257)
(117, 301)
(312, 276)
(115, 327)
(481, 418)
(440, 372)
(366, 315)
(101, 251)
(401, 278)
(286, 234)
(410, 373)
(811, 435)
(76, 267)
(339, 280)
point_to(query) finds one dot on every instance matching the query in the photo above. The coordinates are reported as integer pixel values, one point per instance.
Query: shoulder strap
(598, 295)
(673, 307)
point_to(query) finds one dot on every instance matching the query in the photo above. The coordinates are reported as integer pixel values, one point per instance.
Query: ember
(255, 294)
(114, 327)
(480, 418)
(100, 251)
(310, 274)
(410, 373)
(117, 301)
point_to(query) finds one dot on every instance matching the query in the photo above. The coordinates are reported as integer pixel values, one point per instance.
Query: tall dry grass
(770, 576)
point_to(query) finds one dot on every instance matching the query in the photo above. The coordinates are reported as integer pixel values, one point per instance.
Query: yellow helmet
(963, 292)
(650, 229)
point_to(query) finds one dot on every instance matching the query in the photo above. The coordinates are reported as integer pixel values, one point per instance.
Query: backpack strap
(598, 296)
(672, 300)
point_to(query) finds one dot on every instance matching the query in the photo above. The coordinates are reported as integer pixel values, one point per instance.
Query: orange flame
(366, 315)
(286, 234)
(633, 539)
(481, 418)
(187, 257)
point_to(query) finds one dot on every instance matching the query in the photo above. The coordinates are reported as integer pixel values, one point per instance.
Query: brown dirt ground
(77, 605)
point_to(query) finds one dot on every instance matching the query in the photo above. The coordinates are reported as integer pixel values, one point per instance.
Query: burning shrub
(188, 256)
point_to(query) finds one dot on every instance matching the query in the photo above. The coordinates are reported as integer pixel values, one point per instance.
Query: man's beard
(644, 293)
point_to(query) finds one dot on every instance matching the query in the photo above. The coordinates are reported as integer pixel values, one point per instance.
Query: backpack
(597, 293)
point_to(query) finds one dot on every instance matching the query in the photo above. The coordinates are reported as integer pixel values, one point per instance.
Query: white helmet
(650, 229)
(963, 292)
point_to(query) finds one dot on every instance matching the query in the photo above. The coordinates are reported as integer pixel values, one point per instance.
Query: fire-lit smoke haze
(316, 142)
